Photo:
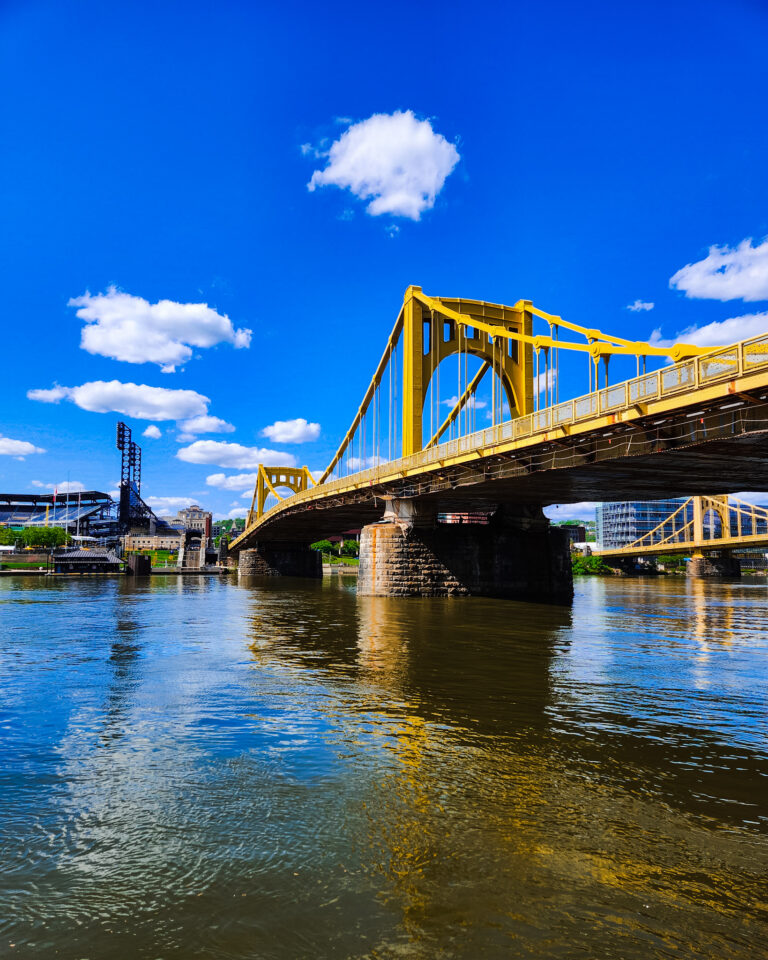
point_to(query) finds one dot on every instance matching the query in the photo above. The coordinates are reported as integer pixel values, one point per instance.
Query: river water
(195, 767)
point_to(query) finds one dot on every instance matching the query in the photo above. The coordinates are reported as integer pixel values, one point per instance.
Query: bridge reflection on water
(283, 768)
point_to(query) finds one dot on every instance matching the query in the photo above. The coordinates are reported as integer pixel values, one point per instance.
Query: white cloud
(54, 395)
(237, 481)
(205, 424)
(17, 448)
(545, 380)
(727, 274)
(452, 401)
(718, 333)
(292, 431)
(639, 305)
(237, 513)
(234, 455)
(153, 432)
(358, 463)
(66, 486)
(571, 511)
(169, 503)
(131, 399)
(394, 160)
(124, 327)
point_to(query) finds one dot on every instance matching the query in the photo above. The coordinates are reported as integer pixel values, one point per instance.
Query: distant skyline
(211, 213)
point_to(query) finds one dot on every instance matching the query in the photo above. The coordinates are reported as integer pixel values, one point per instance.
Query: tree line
(34, 537)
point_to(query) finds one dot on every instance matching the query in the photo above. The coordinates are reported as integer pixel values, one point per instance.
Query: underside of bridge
(574, 472)
(699, 425)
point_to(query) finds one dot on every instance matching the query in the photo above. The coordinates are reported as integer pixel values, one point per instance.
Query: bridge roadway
(698, 427)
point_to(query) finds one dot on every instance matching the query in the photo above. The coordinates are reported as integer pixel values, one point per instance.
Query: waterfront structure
(618, 523)
(86, 561)
(696, 424)
(706, 528)
(171, 540)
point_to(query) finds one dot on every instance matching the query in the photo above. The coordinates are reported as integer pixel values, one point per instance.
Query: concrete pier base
(277, 558)
(517, 556)
(725, 566)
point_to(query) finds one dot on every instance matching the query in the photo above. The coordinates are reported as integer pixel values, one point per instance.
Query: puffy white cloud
(237, 513)
(206, 424)
(292, 431)
(544, 380)
(54, 395)
(234, 455)
(169, 503)
(640, 305)
(17, 448)
(66, 486)
(718, 333)
(237, 481)
(571, 511)
(727, 273)
(394, 160)
(124, 327)
(364, 463)
(153, 432)
(452, 401)
(131, 399)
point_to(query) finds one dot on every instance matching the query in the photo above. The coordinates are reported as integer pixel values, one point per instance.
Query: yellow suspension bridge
(698, 525)
(698, 425)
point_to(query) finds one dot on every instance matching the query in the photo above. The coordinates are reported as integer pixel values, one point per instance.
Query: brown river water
(280, 769)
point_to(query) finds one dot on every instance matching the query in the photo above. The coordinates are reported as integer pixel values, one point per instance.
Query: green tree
(590, 566)
(350, 548)
(44, 536)
(324, 546)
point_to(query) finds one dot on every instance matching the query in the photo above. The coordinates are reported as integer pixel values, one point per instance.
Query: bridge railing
(741, 358)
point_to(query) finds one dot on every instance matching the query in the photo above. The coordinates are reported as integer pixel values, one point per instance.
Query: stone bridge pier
(280, 558)
(721, 564)
(516, 555)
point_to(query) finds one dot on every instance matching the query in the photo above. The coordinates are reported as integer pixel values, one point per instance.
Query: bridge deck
(694, 427)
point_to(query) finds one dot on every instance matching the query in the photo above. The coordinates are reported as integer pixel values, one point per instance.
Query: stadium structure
(90, 513)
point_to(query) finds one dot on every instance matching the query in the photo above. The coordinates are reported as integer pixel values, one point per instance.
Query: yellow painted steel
(481, 329)
(460, 404)
(727, 375)
(270, 479)
(676, 534)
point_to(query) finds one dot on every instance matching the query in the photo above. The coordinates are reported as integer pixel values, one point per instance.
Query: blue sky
(576, 155)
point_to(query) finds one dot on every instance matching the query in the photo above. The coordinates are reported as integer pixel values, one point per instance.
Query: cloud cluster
(640, 305)
(169, 503)
(129, 328)
(152, 432)
(292, 431)
(727, 273)
(234, 455)
(131, 399)
(17, 448)
(66, 486)
(571, 511)
(716, 334)
(237, 481)
(395, 161)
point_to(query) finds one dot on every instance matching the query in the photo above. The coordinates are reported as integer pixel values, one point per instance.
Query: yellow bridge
(698, 425)
(698, 525)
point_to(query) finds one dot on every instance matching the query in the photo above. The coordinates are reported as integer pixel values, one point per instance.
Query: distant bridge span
(697, 426)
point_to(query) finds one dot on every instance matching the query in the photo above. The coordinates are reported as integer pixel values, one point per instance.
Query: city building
(195, 518)
(621, 522)
(171, 540)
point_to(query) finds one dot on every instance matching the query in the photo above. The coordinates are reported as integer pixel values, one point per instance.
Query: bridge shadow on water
(558, 748)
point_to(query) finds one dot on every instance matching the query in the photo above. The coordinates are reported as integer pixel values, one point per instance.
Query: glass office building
(621, 522)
